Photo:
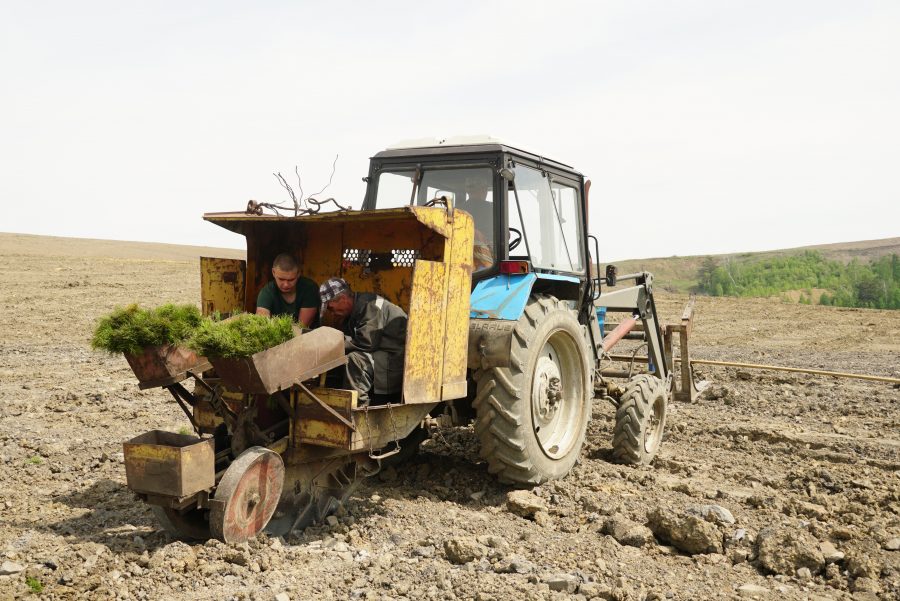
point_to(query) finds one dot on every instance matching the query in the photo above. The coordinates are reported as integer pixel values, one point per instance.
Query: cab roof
(461, 145)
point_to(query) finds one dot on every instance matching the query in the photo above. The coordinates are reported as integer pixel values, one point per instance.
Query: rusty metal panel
(394, 284)
(378, 426)
(169, 464)
(164, 365)
(424, 361)
(459, 286)
(314, 425)
(305, 356)
(222, 285)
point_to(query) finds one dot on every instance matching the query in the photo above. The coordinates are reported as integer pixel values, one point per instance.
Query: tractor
(486, 247)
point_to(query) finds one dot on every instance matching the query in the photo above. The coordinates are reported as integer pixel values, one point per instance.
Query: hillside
(681, 273)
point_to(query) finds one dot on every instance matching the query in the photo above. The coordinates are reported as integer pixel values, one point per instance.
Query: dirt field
(806, 467)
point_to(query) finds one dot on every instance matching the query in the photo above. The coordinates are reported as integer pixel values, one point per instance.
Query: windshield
(470, 189)
(549, 221)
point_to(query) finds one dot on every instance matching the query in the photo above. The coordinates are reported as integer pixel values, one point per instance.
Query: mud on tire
(640, 420)
(531, 417)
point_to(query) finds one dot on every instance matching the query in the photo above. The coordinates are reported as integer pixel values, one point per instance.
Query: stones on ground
(785, 551)
(712, 513)
(282, 597)
(524, 503)
(804, 574)
(752, 591)
(893, 544)
(8, 568)
(566, 583)
(687, 532)
(514, 564)
(462, 550)
(830, 552)
(626, 531)
(811, 510)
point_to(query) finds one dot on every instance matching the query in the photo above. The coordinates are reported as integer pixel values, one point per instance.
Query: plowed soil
(811, 458)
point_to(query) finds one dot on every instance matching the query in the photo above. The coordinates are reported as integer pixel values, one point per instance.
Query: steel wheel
(247, 495)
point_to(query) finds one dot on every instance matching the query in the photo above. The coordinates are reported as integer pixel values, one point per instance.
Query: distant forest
(875, 285)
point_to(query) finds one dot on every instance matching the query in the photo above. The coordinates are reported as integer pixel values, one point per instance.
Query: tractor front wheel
(640, 420)
(531, 417)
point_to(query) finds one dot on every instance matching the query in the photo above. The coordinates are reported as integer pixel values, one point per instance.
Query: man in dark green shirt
(288, 293)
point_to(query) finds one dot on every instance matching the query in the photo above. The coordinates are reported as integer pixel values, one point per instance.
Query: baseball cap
(331, 289)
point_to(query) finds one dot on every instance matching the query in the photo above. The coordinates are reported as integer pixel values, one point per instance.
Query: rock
(804, 574)
(514, 565)
(332, 521)
(863, 563)
(865, 585)
(282, 597)
(737, 556)
(893, 544)
(627, 532)
(811, 510)
(595, 590)
(524, 503)
(712, 513)
(830, 552)
(566, 583)
(786, 551)
(543, 519)
(752, 591)
(424, 551)
(10, 567)
(689, 533)
(462, 550)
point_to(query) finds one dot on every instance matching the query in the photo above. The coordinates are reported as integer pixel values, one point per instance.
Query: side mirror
(508, 174)
(611, 272)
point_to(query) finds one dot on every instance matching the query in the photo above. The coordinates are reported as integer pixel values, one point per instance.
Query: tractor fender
(497, 303)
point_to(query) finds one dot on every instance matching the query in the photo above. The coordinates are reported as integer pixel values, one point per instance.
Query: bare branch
(333, 168)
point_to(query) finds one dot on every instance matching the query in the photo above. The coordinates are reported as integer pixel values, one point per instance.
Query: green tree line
(875, 284)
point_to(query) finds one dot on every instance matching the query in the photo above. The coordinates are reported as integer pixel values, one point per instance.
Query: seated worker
(374, 338)
(482, 211)
(289, 293)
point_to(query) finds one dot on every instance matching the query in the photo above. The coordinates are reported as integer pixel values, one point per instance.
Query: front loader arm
(638, 300)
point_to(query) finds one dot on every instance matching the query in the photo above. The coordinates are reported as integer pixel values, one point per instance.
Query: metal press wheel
(247, 495)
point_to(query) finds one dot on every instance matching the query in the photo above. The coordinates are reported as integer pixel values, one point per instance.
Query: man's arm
(263, 311)
(306, 316)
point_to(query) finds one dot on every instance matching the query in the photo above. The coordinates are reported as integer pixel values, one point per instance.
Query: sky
(706, 126)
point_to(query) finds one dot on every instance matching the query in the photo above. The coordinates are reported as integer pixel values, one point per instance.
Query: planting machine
(486, 248)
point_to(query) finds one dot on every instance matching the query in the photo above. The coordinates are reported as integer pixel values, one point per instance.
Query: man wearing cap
(374, 338)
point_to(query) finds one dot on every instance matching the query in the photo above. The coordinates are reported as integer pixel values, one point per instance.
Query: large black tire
(531, 428)
(640, 420)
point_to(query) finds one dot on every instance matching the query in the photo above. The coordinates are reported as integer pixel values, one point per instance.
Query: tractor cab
(528, 210)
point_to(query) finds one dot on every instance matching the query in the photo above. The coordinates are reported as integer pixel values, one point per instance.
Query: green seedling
(130, 329)
(241, 336)
(34, 584)
(35, 460)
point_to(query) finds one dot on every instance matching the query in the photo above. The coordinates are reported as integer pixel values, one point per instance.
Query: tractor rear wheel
(531, 417)
(640, 420)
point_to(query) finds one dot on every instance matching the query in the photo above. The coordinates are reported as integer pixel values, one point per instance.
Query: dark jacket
(378, 326)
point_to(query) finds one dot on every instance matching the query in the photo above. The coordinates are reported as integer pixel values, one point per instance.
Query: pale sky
(706, 126)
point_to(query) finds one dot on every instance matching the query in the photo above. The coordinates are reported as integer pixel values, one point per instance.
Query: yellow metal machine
(308, 443)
